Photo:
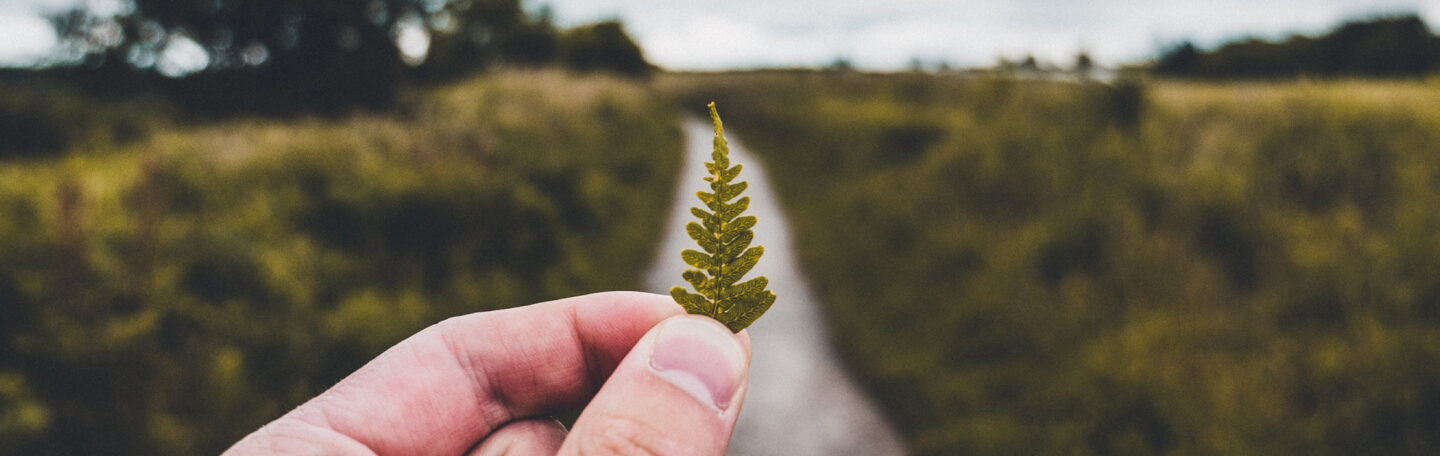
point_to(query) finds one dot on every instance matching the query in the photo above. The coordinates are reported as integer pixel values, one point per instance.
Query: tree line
(317, 55)
(1396, 46)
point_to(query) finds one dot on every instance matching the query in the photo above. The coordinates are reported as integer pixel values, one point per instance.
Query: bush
(605, 47)
(170, 296)
(1393, 46)
(1080, 269)
(40, 121)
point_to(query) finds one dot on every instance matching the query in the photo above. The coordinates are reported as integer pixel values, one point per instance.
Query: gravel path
(800, 402)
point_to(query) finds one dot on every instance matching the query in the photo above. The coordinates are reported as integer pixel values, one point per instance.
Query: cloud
(26, 39)
(715, 41)
(884, 35)
(887, 35)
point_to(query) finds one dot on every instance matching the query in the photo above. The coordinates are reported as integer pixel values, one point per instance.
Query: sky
(887, 34)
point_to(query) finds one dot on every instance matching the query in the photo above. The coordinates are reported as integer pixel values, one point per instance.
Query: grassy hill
(1032, 267)
(172, 291)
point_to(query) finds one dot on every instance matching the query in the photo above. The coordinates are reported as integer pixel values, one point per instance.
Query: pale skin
(656, 382)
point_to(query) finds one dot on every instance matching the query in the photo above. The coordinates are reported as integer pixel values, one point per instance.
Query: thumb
(677, 392)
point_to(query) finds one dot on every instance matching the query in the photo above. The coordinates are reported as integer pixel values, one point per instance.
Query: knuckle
(622, 435)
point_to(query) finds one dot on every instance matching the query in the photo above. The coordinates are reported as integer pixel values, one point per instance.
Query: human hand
(657, 381)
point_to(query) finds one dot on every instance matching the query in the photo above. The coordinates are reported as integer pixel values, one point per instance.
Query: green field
(1010, 266)
(169, 292)
(1032, 267)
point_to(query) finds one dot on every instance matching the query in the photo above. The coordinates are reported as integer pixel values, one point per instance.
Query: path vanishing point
(800, 400)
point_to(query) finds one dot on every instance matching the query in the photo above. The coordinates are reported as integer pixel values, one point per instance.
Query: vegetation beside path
(171, 292)
(1033, 267)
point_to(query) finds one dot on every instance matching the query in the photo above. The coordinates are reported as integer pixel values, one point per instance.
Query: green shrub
(1081, 269)
(603, 47)
(42, 121)
(175, 294)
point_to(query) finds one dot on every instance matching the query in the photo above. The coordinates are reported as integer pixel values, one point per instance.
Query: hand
(657, 381)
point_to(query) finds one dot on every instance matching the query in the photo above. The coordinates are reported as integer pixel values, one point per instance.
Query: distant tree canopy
(1084, 64)
(302, 54)
(1390, 46)
(602, 46)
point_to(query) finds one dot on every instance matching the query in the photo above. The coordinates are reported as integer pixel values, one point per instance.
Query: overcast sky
(888, 34)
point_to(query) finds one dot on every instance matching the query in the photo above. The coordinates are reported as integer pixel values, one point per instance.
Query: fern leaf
(750, 287)
(706, 240)
(733, 210)
(699, 260)
(700, 213)
(738, 318)
(729, 192)
(737, 268)
(692, 303)
(738, 227)
(739, 244)
(710, 200)
(725, 237)
(710, 221)
(729, 174)
(696, 279)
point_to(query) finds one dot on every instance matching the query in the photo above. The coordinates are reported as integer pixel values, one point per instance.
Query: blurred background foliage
(1238, 258)
(171, 294)
(211, 211)
(1032, 267)
(221, 57)
(1386, 46)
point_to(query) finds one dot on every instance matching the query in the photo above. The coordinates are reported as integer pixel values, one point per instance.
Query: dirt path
(800, 401)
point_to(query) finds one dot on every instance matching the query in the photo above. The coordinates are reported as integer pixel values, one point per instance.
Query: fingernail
(701, 357)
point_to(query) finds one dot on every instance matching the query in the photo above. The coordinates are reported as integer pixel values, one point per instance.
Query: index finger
(445, 388)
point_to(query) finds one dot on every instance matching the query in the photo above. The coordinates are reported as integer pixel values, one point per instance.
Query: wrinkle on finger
(532, 436)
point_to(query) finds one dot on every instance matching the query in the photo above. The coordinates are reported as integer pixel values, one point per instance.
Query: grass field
(169, 292)
(1011, 266)
(1032, 267)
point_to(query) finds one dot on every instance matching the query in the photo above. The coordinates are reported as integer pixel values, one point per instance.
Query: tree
(328, 54)
(1030, 65)
(1386, 47)
(602, 46)
(497, 32)
(1180, 60)
(1084, 65)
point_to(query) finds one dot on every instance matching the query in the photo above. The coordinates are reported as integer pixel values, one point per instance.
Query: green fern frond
(725, 237)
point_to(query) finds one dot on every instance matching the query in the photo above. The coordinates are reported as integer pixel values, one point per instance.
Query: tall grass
(1029, 267)
(173, 294)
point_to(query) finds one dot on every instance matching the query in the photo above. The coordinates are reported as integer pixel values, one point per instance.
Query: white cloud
(181, 56)
(24, 39)
(688, 34)
(887, 35)
(719, 41)
(35, 6)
